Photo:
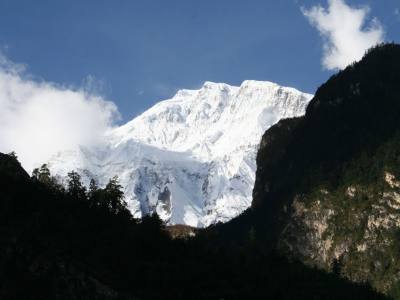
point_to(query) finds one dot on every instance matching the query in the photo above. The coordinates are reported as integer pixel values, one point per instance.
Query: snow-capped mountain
(190, 158)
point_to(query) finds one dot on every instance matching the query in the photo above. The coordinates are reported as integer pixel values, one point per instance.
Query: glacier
(192, 158)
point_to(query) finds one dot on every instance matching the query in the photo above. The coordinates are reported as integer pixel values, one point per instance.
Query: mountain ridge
(190, 158)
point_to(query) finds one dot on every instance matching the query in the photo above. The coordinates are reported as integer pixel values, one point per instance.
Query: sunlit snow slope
(190, 158)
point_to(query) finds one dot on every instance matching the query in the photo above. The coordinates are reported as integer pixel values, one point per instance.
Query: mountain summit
(191, 158)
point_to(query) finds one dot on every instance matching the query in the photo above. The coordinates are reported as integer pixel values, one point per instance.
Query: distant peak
(219, 86)
(207, 86)
(210, 88)
(215, 85)
(257, 83)
(210, 83)
(184, 93)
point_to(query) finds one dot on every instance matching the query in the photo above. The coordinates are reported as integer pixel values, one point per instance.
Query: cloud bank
(39, 119)
(344, 31)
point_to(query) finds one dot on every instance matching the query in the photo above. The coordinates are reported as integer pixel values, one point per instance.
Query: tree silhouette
(94, 193)
(76, 189)
(43, 175)
(115, 196)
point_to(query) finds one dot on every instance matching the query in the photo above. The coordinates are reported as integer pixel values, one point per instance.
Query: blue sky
(136, 53)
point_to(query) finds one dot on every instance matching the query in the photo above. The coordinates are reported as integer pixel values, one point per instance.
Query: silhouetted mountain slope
(56, 245)
(327, 189)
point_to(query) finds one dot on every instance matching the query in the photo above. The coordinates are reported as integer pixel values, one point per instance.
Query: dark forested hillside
(327, 189)
(71, 243)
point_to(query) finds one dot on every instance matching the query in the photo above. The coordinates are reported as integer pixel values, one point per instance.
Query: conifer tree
(76, 189)
(94, 193)
(43, 175)
(115, 196)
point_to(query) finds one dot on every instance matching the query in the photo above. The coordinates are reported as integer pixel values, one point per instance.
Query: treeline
(111, 197)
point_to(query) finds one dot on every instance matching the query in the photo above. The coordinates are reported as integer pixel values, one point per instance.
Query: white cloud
(38, 119)
(346, 36)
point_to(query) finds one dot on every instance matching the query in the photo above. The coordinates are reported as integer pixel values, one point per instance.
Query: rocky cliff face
(352, 228)
(191, 158)
(327, 184)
